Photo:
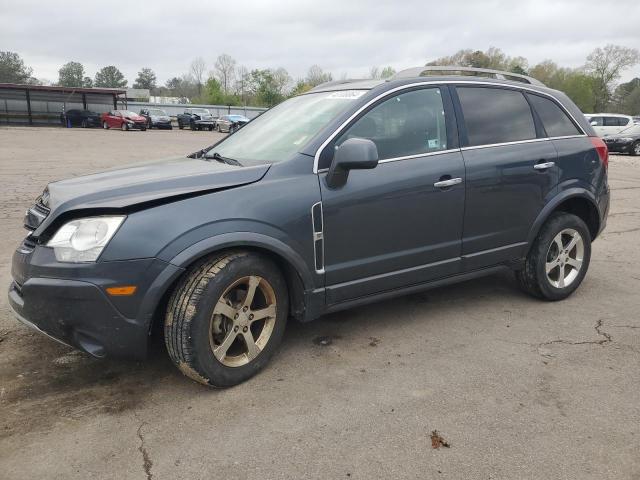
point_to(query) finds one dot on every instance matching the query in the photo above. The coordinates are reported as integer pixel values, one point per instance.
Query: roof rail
(420, 72)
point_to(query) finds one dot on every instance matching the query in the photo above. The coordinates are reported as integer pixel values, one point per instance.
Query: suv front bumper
(69, 302)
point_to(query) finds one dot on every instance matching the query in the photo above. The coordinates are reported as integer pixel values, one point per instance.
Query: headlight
(83, 240)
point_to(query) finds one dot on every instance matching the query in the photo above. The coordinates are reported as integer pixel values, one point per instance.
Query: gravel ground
(517, 388)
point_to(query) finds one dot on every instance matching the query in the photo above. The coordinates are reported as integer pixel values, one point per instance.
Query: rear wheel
(124, 126)
(226, 318)
(105, 125)
(180, 126)
(84, 124)
(559, 258)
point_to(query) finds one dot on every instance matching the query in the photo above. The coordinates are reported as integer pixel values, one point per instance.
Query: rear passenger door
(510, 173)
(577, 164)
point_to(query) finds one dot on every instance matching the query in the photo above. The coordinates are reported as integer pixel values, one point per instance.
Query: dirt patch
(44, 383)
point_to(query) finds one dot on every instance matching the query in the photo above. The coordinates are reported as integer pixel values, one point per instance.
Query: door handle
(544, 165)
(448, 183)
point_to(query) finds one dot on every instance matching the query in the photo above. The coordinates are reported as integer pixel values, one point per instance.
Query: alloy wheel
(636, 148)
(564, 258)
(242, 321)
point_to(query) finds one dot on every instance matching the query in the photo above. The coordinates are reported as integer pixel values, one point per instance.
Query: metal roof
(106, 91)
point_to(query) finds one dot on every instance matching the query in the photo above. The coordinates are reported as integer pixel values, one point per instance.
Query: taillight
(603, 151)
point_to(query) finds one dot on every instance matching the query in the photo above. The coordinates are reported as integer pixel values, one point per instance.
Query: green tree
(13, 69)
(146, 79)
(268, 86)
(71, 74)
(627, 97)
(110, 77)
(387, 72)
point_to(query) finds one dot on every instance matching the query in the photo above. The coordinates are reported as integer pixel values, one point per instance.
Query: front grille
(28, 245)
(17, 287)
(35, 216)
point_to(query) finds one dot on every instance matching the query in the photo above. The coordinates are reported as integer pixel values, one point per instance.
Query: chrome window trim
(408, 157)
(316, 157)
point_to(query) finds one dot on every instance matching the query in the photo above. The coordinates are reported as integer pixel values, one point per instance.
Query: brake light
(603, 151)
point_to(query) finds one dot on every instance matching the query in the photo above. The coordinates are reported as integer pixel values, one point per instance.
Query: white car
(609, 123)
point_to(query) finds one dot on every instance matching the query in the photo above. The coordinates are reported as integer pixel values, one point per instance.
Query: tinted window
(411, 123)
(596, 121)
(494, 115)
(555, 120)
(623, 122)
(611, 121)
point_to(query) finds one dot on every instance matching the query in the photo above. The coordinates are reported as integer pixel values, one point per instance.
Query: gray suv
(354, 192)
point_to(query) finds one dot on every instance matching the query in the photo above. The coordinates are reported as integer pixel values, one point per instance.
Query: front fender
(245, 239)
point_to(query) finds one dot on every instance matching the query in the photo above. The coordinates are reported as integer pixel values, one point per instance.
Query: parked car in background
(80, 118)
(124, 119)
(369, 190)
(627, 141)
(231, 123)
(609, 123)
(196, 119)
(156, 118)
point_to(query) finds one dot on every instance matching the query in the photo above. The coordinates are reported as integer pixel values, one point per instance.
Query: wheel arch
(578, 202)
(290, 263)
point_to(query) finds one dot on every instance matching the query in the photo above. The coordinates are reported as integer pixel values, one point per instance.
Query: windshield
(200, 110)
(157, 112)
(282, 131)
(237, 117)
(126, 113)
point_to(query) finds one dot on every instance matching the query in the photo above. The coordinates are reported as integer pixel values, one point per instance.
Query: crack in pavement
(598, 327)
(146, 459)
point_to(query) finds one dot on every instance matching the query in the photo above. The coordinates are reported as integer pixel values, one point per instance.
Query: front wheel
(559, 258)
(635, 149)
(226, 318)
(124, 126)
(105, 125)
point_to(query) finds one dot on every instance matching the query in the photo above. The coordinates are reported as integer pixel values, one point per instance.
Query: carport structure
(43, 105)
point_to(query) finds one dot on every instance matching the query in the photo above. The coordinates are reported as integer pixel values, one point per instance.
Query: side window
(410, 123)
(555, 120)
(495, 115)
(623, 122)
(596, 121)
(611, 122)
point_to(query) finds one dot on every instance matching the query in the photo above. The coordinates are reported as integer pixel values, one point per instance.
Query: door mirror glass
(352, 154)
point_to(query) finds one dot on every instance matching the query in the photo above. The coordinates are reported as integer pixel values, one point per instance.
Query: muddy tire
(558, 260)
(226, 318)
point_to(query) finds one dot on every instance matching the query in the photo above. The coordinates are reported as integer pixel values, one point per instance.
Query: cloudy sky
(342, 36)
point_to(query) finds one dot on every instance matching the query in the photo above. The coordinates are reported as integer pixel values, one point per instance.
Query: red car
(124, 120)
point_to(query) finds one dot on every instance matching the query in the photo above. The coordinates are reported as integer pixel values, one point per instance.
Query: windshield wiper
(220, 158)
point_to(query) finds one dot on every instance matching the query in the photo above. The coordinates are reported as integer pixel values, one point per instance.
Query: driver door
(396, 225)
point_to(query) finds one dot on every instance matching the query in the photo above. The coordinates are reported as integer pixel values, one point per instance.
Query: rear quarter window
(496, 115)
(554, 119)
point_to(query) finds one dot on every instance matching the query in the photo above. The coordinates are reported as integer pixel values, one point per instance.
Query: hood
(148, 182)
(135, 118)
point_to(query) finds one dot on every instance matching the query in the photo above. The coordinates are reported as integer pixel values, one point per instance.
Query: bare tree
(606, 65)
(242, 73)
(196, 70)
(374, 73)
(316, 76)
(225, 71)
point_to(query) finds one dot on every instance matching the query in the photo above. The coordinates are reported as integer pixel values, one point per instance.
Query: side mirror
(594, 124)
(353, 154)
